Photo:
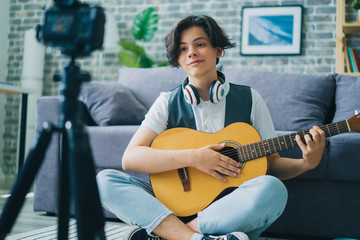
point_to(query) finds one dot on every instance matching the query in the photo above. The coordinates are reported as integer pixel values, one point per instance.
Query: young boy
(196, 44)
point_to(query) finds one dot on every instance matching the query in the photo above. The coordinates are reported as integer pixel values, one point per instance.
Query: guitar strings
(250, 152)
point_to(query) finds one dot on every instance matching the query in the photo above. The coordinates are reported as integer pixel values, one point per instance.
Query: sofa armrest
(47, 110)
(107, 143)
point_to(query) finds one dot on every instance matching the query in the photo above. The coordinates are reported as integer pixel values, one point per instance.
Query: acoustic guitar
(187, 191)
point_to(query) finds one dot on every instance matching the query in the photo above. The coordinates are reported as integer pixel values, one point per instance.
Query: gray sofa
(324, 202)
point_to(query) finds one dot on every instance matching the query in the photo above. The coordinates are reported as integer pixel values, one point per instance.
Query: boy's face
(197, 56)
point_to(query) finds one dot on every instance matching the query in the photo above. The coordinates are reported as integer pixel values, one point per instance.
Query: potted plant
(356, 6)
(143, 29)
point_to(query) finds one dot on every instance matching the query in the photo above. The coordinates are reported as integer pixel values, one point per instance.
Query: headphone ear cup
(191, 95)
(217, 91)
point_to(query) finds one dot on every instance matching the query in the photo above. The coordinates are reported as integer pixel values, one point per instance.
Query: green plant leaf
(129, 59)
(146, 62)
(145, 24)
(133, 55)
(144, 27)
(356, 5)
(164, 63)
(132, 47)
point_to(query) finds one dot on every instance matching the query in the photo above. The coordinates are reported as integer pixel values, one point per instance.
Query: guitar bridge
(184, 177)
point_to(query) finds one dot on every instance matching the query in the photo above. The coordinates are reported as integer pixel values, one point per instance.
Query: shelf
(351, 74)
(342, 29)
(350, 28)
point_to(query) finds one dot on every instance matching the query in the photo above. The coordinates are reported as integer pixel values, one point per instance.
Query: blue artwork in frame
(271, 30)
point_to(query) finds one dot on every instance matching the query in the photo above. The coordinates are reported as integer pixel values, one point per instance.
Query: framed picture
(271, 30)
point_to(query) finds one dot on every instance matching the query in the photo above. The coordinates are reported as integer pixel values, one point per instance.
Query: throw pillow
(347, 96)
(112, 104)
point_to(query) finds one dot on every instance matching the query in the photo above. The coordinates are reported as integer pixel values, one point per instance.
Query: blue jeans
(251, 208)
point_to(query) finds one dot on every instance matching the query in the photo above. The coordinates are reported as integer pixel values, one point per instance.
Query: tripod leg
(89, 213)
(63, 189)
(24, 180)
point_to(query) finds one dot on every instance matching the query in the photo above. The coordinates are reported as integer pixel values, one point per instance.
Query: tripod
(76, 167)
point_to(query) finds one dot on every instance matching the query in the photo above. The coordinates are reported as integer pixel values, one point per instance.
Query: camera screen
(59, 25)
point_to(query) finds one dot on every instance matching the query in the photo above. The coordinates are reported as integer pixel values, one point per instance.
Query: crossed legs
(251, 208)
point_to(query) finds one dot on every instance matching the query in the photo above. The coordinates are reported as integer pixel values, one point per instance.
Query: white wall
(4, 32)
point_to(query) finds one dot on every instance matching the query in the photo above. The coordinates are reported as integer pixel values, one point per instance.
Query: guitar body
(204, 189)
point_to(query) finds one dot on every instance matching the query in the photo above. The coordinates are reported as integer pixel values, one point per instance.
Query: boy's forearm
(149, 160)
(286, 168)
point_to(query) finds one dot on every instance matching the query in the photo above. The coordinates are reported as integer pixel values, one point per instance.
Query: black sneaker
(229, 236)
(138, 233)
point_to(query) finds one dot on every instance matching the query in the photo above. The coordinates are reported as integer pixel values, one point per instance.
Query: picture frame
(271, 30)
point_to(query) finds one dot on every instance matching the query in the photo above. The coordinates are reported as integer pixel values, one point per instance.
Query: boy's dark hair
(217, 36)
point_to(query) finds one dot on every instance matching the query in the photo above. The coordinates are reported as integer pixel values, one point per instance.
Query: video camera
(76, 28)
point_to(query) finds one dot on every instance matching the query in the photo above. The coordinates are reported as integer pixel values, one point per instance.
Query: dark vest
(238, 107)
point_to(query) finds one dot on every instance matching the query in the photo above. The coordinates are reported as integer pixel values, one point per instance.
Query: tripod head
(71, 78)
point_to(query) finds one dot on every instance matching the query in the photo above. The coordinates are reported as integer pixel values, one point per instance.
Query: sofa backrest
(295, 101)
(147, 83)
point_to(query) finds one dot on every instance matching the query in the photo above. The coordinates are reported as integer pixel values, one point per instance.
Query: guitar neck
(273, 145)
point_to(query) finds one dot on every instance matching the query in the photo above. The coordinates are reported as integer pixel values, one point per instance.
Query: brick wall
(318, 44)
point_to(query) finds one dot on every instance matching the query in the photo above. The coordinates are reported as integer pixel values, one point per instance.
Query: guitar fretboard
(273, 145)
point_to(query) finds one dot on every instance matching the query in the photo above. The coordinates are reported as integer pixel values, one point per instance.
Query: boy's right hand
(209, 160)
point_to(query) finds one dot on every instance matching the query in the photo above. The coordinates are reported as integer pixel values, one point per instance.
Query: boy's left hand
(313, 148)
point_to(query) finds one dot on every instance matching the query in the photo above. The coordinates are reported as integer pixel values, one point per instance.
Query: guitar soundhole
(232, 153)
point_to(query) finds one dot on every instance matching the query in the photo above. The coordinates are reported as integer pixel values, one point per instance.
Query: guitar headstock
(354, 123)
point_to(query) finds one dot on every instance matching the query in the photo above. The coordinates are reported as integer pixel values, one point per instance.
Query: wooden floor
(29, 220)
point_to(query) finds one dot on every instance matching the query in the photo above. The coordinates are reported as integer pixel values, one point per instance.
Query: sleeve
(157, 117)
(260, 117)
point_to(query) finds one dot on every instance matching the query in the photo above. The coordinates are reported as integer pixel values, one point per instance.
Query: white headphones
(217, 90)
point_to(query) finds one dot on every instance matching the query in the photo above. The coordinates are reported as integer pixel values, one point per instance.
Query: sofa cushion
(318, 173)
(347, 96)
(344, 157)
(295, 101)
(108, 144)
(112, 104)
